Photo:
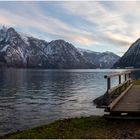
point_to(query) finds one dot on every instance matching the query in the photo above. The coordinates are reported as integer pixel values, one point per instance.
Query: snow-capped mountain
(131, 58)
(82, 51)
(20, 50)
(101, 60)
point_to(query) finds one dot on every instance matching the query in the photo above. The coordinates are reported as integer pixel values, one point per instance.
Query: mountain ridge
(131, 59)
(101, 60)
(20, 50)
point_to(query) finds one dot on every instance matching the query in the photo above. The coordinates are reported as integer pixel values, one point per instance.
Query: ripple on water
(33, 97)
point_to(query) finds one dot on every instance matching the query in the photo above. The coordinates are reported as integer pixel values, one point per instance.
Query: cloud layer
(99, 26)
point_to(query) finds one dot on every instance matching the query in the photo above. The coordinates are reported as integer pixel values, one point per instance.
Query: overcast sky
(98, 26)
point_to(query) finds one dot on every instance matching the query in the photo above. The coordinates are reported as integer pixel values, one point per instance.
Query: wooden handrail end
(105, 76)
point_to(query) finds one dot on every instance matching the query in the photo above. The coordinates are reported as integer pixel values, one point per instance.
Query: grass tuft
(136, 82)
(93, 127)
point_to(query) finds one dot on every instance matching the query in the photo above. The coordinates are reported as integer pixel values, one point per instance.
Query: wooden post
(111, 93)
(108, 87)
(119, 79)
(125, 76)
(130, 78)
(119, 83)
(108, 84)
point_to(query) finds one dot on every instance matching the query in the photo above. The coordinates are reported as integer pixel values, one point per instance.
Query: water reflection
(34, 97)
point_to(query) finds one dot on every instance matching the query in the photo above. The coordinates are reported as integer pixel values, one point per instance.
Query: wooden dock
(123, 99)
(130, 103)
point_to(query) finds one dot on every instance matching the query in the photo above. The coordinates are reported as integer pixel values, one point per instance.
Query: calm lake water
(33, 97)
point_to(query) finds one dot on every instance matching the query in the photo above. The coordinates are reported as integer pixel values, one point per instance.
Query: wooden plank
(113, 104)
(119, 79)
(116, 87)
(127, 117)
(130, 103)
(116, 74)
(108, 83)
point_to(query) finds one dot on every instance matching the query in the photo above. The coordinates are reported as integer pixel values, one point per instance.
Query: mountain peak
(59, 41)
(102, 60)
(108, 52)
(131, 58)
(17, 50)
(11, 30)
(4, 28)
(20, 50)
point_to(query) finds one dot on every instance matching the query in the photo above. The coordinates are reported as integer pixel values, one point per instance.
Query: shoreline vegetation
(93, 127)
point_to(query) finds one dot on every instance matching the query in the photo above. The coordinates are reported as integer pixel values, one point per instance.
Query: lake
(33, 97)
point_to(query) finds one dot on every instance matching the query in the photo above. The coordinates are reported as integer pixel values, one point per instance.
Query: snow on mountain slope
(19, 50)
(101, 60)
(24, 37)
(131, 58)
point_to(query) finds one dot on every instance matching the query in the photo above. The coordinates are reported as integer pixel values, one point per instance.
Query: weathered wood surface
(123, 99)
(113, 92)
(117, 74)
(130, 103)
(113, 104)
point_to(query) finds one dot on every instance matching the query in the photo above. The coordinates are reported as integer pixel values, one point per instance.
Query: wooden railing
(127, 78)
(118, 91)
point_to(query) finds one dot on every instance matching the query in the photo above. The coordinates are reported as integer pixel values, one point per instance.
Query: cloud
(84, 40)
(87, 24)
(123, 41)
(120, 53)
(112, 25)
(42, 22)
